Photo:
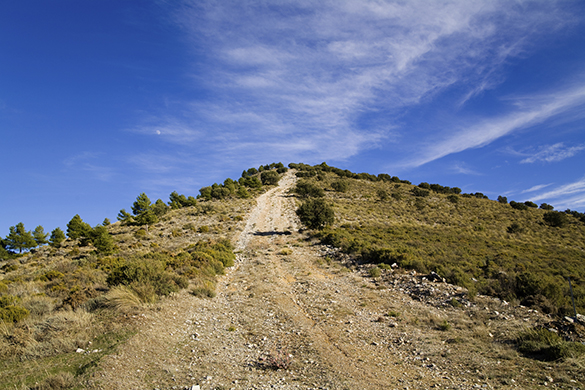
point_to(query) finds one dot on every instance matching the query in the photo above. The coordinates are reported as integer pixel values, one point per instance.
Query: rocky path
(287, 318)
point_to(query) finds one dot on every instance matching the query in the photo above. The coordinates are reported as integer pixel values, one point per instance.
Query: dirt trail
(279, 303)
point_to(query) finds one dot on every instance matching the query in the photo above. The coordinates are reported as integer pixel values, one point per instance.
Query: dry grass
(66, 293)
(123, 299)
(461, 241)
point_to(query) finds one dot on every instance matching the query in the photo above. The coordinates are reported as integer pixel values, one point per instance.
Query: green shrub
(316, 213)
(52, 275)
(340, 185)
(243, 193)
(514, 228)
(555, 218)
(10, 311)
(382, 194)
(140, 233)
(269, 178)
(306, 189)
(203, 292)
(146, 271)
(417, 191)
(9, 267)
(375, 272)
(204, 229)
(444, 326)
(546, 345)
(455, 303)
(453, 198)
(518, 206)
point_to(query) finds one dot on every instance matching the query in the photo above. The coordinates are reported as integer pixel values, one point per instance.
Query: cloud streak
(553, 153)
(568, 195)
(533, 112)
(306, 74)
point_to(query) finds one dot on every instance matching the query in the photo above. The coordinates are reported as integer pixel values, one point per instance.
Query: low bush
(514, 228)
(518, 206)
(546, 345)
(375, 272)
(10, 311)
(555, 218)
(269, 177)
(417, 191)
(316, 214)
(144, 271)
(306, 189)
(340, 185)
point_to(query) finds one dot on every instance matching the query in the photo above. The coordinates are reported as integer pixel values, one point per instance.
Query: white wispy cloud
(553, 153)
(570, 195)
(462, 168)
(536, 188)
(303, 74)
(532, 111)
(88, 162)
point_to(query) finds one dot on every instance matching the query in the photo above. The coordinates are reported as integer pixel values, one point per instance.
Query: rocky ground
(292, 314)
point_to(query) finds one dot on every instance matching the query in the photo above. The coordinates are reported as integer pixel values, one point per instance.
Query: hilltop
(362, 302)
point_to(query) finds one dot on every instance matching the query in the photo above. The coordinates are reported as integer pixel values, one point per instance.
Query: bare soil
(292, 314)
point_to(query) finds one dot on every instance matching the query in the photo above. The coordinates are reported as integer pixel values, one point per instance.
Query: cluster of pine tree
(144, 213)
(251, 179)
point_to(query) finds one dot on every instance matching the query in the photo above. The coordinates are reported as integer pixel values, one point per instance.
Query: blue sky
(103, 100)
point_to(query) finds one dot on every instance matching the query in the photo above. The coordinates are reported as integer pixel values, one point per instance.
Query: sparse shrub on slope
(546, 345)
(340, 185)
(269, 177)
(146, 270)
(518, 206)
(555, 218)
(306, 189)
(10, 311)
(316, 213)
(421, 192)
(475, 244)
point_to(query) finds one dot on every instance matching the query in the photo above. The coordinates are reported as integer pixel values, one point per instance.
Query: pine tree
(125, 217)
(40, 236)
(19, 238)
(142, 209)
(57, 237)
(76, 228)
(102, 240)
(160, 208)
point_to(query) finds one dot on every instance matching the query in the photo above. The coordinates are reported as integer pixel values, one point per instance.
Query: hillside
(293, 312)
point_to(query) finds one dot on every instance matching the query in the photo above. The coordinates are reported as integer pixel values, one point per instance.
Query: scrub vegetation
(523, 254)
(67, 299)
(66, 305)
